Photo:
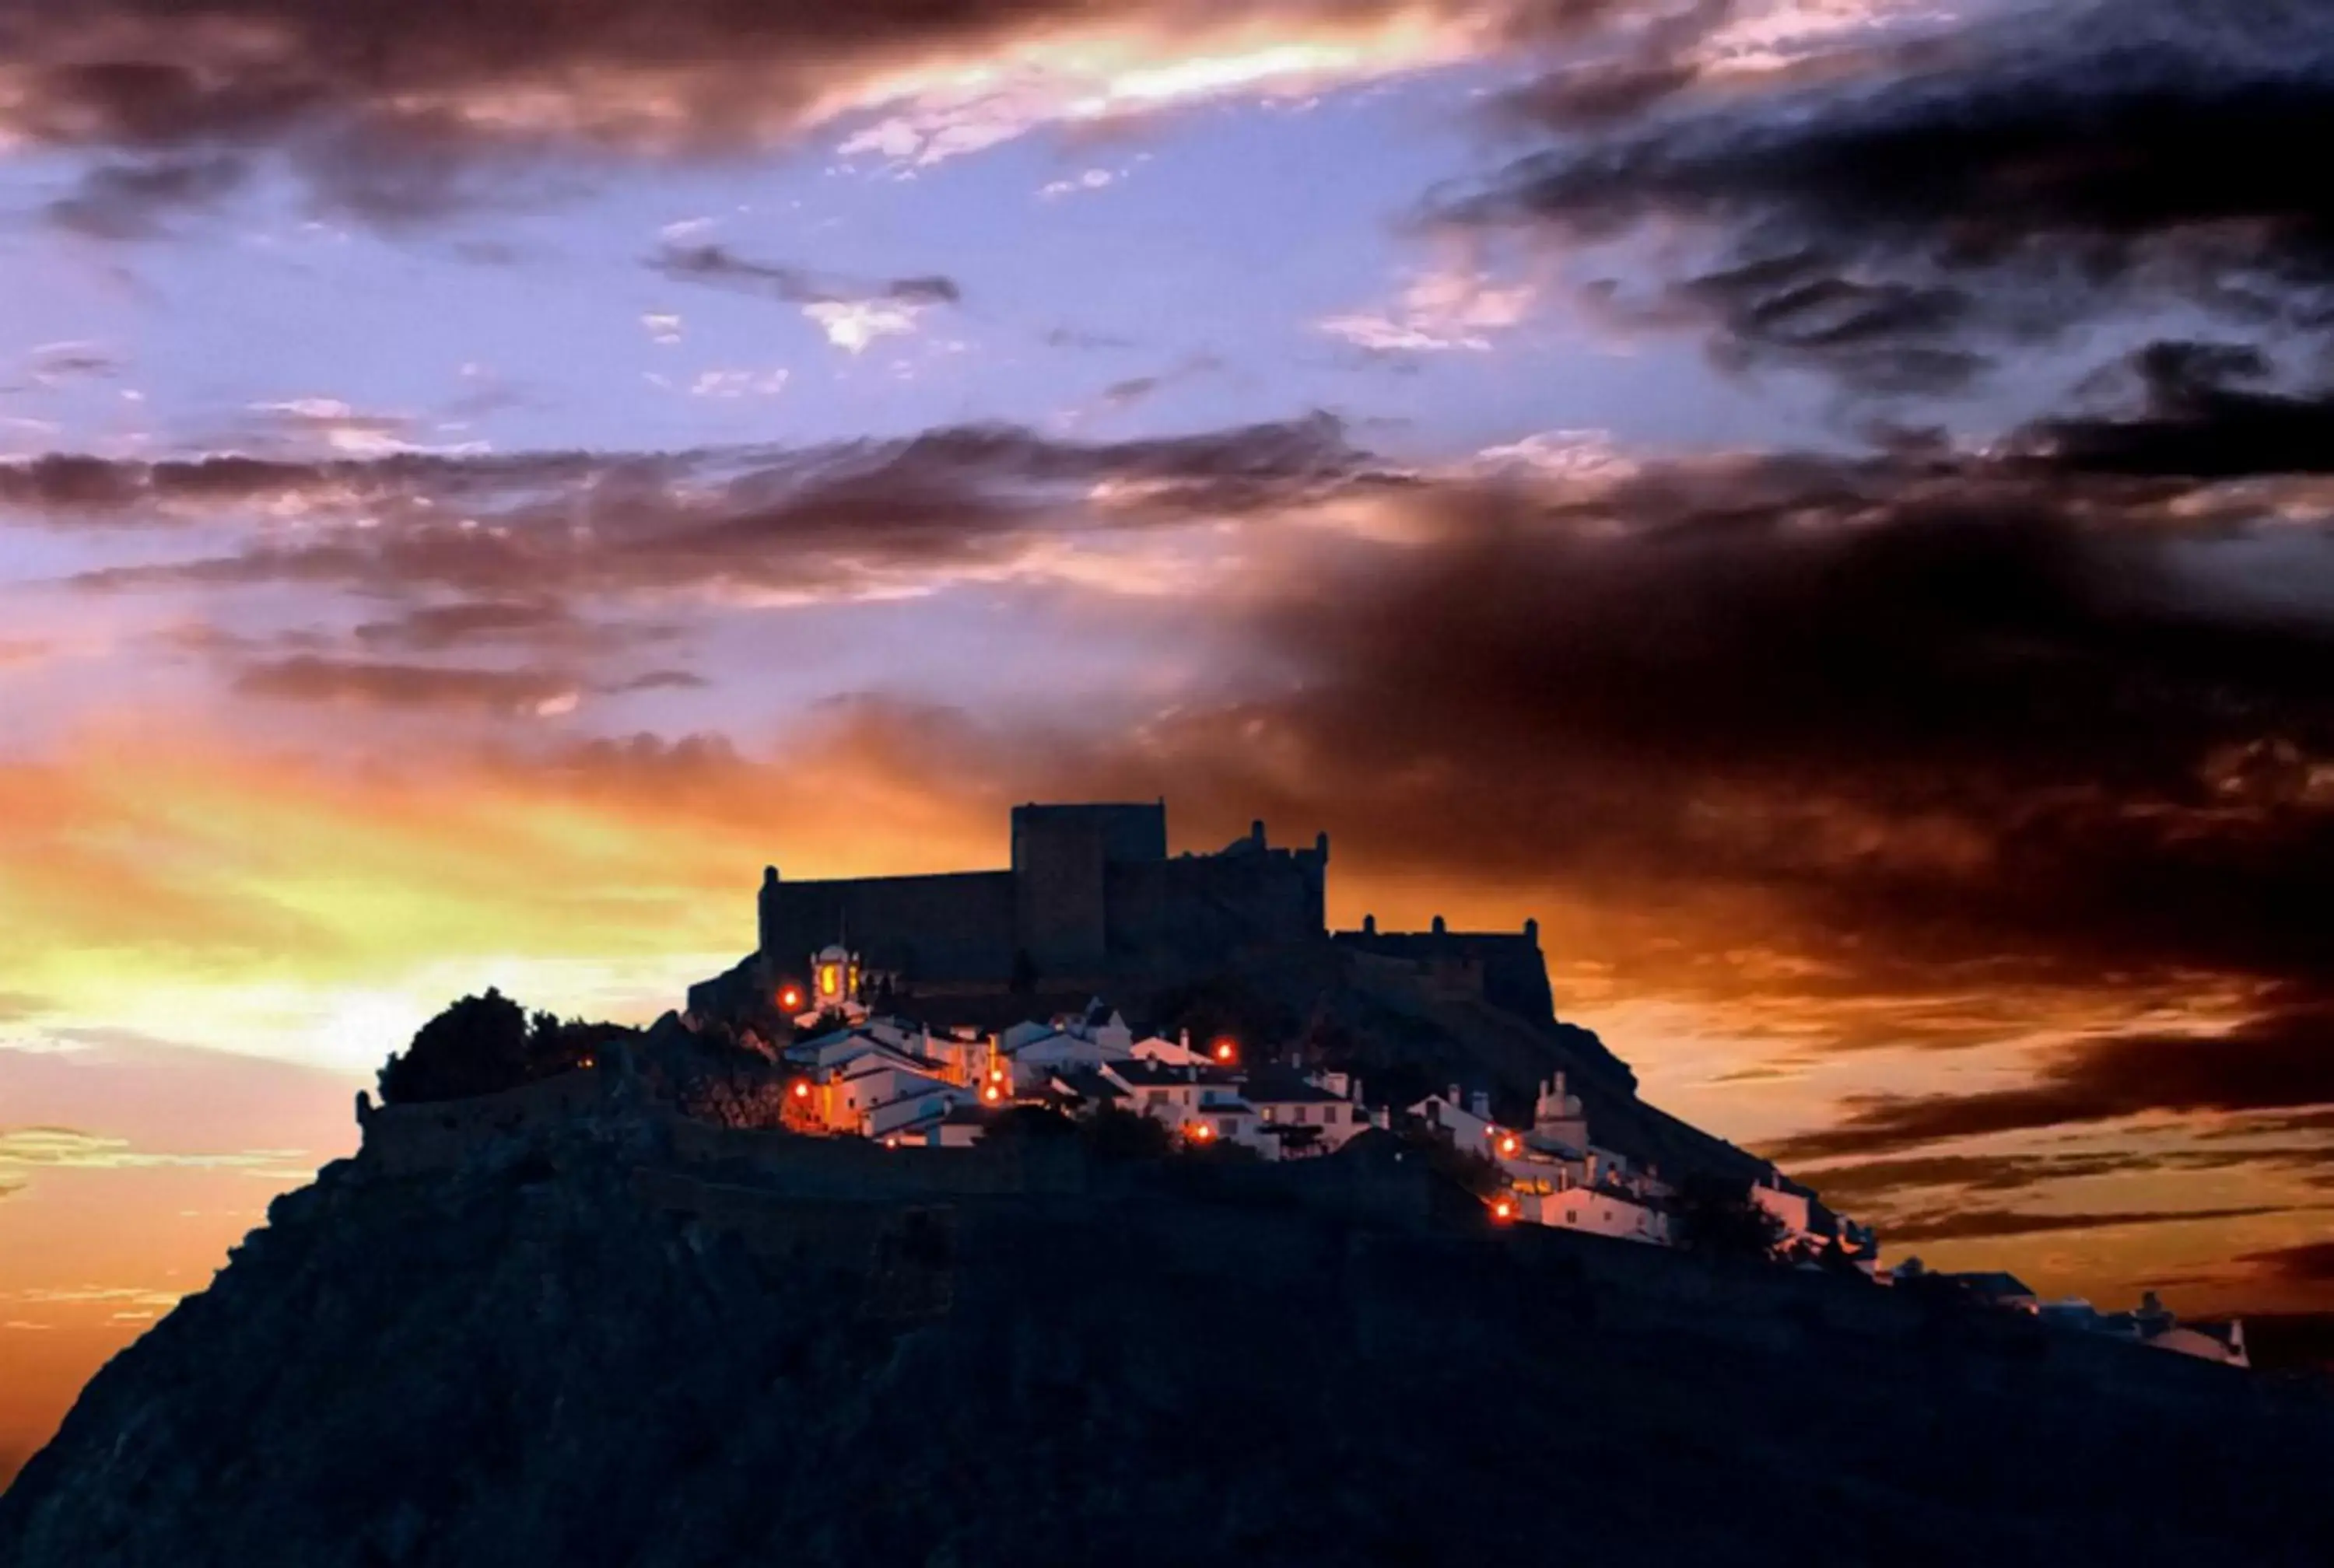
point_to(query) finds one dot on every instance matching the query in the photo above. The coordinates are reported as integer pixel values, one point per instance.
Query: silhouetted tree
(1718, 1219)
(485, 1044)
(477, 1045)
(1477, 1173)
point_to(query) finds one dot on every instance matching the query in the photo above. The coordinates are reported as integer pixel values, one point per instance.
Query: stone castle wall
(439, 1135)
(955, 926)
(1507, 966)
(1091, 896)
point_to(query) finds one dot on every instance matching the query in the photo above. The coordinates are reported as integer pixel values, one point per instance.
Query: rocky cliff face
(543, 1357)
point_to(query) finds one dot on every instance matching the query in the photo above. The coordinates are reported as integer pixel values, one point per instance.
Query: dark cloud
(2276, 1060)
(1125, 394)
(663, 680)
(1969, 1223)
(2311, 1262)
(816, 520)
(439, 628)
(402, 112)
(1996, 184)
(81, 489)
(2200, 422)
(724, 268)
(132, 201)
(56, 362)
(313, 679)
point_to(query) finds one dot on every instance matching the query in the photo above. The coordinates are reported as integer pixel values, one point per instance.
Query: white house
(1558, 1119)
(1300, 1115)
(1203, 1103)
(1599, 1212)
(1466, 1122)
(1039, 1056)
(914, 1102)
(1176, 1052)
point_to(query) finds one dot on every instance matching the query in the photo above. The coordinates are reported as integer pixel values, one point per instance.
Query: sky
(1824, 504)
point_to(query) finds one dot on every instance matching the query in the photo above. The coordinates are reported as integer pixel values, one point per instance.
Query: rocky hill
(619, 1339)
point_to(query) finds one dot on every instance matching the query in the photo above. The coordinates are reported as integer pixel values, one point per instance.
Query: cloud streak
(401, 119)
(2276, 1062)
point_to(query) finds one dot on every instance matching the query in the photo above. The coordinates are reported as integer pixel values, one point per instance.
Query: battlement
(1504, 968)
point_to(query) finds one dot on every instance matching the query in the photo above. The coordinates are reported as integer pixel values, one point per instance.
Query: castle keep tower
(1061, 898)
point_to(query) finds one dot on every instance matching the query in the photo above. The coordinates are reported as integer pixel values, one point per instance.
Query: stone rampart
(439, 1134)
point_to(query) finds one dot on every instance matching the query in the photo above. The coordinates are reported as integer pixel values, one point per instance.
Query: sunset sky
(1823, 503)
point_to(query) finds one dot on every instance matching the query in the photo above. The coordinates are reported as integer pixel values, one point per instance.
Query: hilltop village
(907, 1011)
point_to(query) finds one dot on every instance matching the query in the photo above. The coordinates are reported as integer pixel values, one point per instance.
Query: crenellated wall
(1506, 969)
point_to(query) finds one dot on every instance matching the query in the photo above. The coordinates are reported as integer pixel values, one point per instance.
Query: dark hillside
(581, 1347)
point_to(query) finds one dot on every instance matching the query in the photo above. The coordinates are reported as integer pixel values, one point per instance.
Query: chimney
(1256, 833)
(1439, 926)
(1480, 1104)
(1369, 925)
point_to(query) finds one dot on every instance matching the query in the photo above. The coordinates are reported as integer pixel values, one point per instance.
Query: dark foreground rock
(582, 1349)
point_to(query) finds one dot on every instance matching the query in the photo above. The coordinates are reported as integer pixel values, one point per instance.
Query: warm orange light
(1504, 1209)
(1201, 1132)
(828, 983)
(1508, 1144)
(802, 1090)
(1226, 1051)
(992, 1094)
(996, 1072)
(790, 998)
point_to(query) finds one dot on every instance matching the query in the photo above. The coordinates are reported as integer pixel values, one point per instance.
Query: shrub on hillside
(1718, 1219)
(1111, 1133)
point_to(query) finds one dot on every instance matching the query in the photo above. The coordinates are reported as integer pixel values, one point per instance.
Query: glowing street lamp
(1508, 1144)
(791, 998)
(1503, 1209)
(1227, 1051)
(802, 1088)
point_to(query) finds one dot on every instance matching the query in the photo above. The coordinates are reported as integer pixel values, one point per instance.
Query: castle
(1092, 901)
(1091, 898)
